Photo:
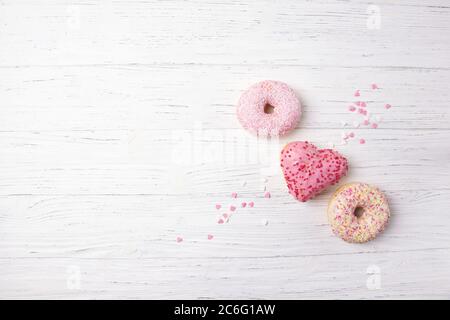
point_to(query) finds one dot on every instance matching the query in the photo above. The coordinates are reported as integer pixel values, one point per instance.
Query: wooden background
(118, 134)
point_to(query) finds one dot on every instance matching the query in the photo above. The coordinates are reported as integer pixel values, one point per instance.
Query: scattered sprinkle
(267, 195)
(358, 103)
(374, 125)
(387, 106)
(366, 122)
(225, 215)
(234, 195)
(363, 105)
(362, 111)
(243, 204)
(218, 206)
(220, 221)
(179, 239)
(232, 208)
(357, 94)
(362, 141)
(351, 134)
(374, 86)
(351, 108)
(210, 236)
(251, 204)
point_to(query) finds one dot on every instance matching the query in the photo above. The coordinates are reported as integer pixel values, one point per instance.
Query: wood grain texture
(118, 134)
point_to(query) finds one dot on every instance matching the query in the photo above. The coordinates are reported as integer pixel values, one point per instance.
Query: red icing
(309, 170)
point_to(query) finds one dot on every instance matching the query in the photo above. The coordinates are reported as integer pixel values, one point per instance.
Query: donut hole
(268, 108)
(358, 212)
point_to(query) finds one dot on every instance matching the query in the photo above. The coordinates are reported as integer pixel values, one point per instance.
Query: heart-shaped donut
(309, 170)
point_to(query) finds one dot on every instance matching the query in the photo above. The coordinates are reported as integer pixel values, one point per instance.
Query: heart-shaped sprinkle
(351, 108)
(362, 141)
(387, 106)
(220, 221)
(363, 104)
(374, 86)
(232, 208)
(366, 122)
(374, 125)
(225, 215)
(234, 195)
(218, 206)
(243, 204)
(179, 239)
(357, 94)
(251, 204)
(210, 236)
(267, 195)
(315, 169)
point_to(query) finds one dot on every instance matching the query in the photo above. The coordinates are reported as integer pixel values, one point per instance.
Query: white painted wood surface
(118, 134)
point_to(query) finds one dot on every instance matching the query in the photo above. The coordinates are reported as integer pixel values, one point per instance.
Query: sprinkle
(362, 111)
(218, 206)
(358, 103)
(362, 105)
(234, 195)
(351, 134)
(179, 239)
(243, 204)
(210, 236)
(264, 222)
(374, 86)
(267, 195)
(351, 108)
(374, 125)
(357, 94)
(366, 122)
(220, 221)
(251, 204)
(232, 208)
(225, 215)
(362, 141)
(387, 106)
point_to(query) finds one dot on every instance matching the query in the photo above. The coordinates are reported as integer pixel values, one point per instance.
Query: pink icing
(286, 108)
(309, 170)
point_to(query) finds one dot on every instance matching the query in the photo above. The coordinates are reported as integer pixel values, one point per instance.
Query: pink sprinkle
(362, 141)
(232, 208)
(251, 204)
(220, 221)
(179, 239)
(225, 215)
(210, 236)
(357, 94)
(351, 134)
(366, 122)
(218, 206)
(387, 106)
(234, 195)
(362, 111)
(374, 125)
(363, 104)
(243, 204)
(358, 103)
(351, 108)
(374, 86)
(267, 195)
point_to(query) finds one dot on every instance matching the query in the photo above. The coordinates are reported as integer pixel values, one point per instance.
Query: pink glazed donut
(269, 108)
